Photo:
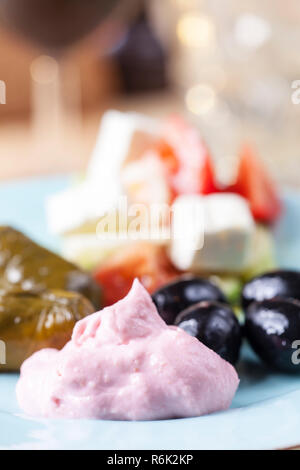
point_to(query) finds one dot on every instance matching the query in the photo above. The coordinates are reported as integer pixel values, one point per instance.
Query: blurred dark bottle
(141, 58)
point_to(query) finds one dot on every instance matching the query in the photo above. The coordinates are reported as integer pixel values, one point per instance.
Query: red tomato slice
(254, 183)
(187, 161)
(148, 263)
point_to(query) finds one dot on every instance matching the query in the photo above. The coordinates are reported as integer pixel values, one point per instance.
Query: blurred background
(231, 67)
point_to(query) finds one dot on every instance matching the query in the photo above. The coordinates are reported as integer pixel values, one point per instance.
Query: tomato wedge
(147, 262)
(254, 183)
(188, 164)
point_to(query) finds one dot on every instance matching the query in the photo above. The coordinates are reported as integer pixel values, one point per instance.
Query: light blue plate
(265, 413)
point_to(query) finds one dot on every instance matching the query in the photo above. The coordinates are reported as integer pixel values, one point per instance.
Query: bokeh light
(200, 99)
(196, 30)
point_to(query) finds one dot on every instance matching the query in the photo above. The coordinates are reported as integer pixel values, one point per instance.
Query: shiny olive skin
(271, 328)
(216, 326)
(172, 298)
(285, 284)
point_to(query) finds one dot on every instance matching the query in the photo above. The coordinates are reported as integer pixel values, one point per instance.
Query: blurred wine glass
(235, 63)
(54, 26)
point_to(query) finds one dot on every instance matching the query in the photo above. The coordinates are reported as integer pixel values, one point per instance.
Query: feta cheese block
(122, 137)
(144, 180)
(69, 209)
(215, 233)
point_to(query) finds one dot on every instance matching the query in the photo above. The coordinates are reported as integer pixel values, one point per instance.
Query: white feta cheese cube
(122, 137)
(144, 180)
(222, 237)
(69, 209)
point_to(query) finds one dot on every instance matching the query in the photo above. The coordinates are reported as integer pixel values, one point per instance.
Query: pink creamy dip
(125, 363)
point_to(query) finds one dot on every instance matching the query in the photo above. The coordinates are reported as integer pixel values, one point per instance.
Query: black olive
(172, 298)
(216, 326)
(272, 328)
(285, 284)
